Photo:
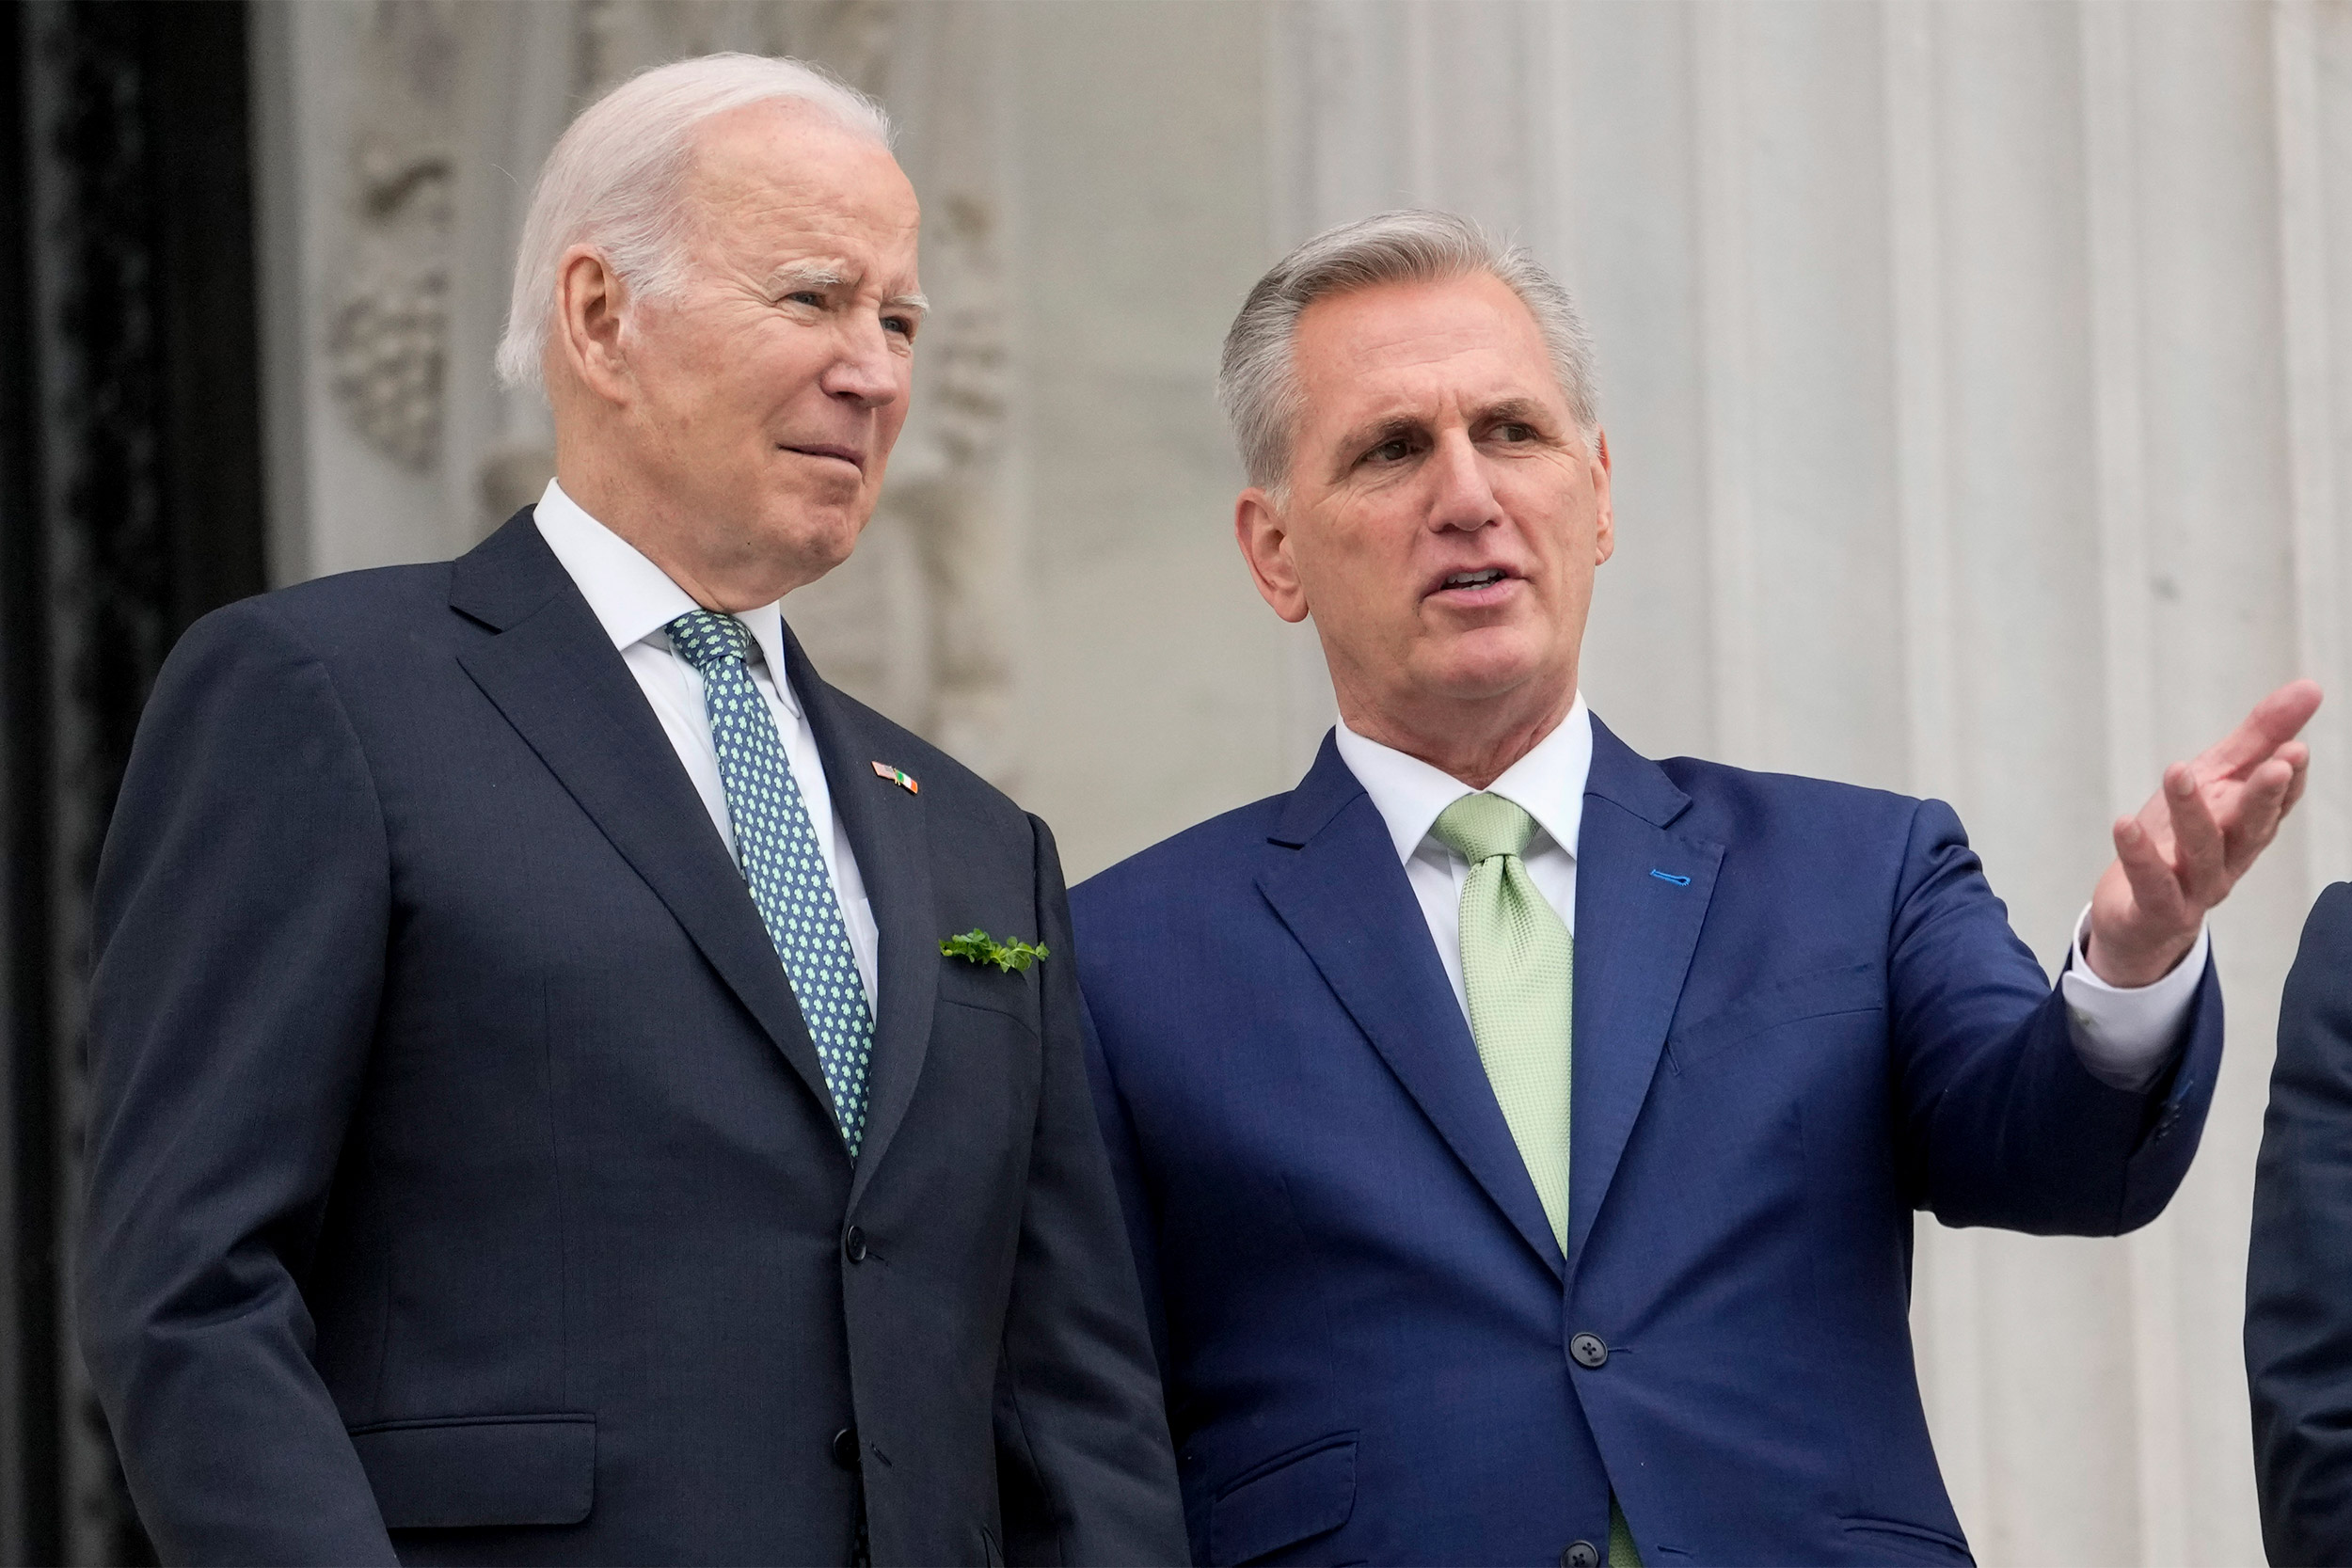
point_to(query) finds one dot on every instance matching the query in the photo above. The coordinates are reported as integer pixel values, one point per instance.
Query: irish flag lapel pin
(904, 780)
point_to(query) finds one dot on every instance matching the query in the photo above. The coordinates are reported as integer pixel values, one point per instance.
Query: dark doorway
(131, 502)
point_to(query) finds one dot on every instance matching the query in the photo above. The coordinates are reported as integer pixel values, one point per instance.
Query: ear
(1604, 520)
(591, 302)
(1265, 544)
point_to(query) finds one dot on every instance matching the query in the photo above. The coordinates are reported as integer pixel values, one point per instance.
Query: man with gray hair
(539, 1113)
(1520, 1137)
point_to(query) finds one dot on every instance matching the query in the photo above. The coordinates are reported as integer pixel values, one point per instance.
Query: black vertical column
(30, 1476)
(130, 503)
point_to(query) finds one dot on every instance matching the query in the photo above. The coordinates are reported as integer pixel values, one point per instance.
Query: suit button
(853, 1247)
(845, 1448)
(1588, 1350)
(1579, 1555)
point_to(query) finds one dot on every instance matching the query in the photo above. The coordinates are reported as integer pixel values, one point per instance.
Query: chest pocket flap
(1853, 988)
(481, 1470)
(1292, 1500)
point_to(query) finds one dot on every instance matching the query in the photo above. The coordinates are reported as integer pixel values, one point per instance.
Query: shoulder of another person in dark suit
(2316, 1010)
(2327, 929)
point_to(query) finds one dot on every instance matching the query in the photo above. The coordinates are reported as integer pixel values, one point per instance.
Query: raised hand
(2187, 846)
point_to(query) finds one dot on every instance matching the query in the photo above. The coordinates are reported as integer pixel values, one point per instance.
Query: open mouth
(1472, 582)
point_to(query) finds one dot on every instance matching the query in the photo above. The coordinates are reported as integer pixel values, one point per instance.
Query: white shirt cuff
(2126, 1035)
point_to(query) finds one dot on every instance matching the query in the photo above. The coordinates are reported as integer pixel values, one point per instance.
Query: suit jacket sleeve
(2299, 1273)
(2003, 1124)
(241, 921)
(1085, 1469)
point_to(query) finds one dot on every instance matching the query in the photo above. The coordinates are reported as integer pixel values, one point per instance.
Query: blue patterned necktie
(777, 847)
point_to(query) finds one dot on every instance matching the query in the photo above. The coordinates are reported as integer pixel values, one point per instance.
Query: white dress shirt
(2124, 1037)
(634, 600)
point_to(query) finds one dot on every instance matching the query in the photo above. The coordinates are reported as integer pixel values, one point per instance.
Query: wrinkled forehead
(1452, 344)
(786, 175)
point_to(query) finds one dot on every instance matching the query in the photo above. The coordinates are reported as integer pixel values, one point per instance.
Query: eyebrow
(1364, 436)
(1526, 410)
(794, 276)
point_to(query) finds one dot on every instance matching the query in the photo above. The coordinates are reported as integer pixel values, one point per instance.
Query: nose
(1463, 498)
(864, 372)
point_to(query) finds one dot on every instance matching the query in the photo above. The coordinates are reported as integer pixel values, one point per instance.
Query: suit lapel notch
(1346, 899)
(559, 681)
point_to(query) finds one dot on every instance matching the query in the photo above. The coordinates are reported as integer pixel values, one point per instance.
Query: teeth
(1475, 580)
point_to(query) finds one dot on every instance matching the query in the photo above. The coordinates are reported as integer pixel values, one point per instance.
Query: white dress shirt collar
(633, 599)
(1548, 782)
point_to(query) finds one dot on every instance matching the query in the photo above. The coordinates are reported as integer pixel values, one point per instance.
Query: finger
(2199, 861)
(2252, 821)
(2275, 720)
(2297, 756)
(2155, 819)
(2154, 889)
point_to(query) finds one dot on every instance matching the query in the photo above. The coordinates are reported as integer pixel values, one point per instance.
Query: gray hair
(616, 175)
(1258, 383)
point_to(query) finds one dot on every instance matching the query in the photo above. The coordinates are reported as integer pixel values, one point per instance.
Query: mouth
(1482, 585)
(838, 454)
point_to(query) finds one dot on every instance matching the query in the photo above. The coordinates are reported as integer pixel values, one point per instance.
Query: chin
(819, 537)
(1489, 664)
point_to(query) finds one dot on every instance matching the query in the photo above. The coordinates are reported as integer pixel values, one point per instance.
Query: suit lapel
(1346, 899)
(889, 834)
(556, 678)
(1637, 924)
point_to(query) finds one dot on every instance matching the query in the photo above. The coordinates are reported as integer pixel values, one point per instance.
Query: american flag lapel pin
(904, 780)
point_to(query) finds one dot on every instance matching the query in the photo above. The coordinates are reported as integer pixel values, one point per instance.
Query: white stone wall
(1975, 377)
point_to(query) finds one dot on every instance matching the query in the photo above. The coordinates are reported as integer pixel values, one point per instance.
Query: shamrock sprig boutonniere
(978, 946)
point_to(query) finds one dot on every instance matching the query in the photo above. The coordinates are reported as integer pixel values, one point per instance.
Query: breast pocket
(1856, 989)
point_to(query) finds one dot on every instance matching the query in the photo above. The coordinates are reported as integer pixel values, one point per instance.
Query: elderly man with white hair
(570, 1085)
(1521, 1136)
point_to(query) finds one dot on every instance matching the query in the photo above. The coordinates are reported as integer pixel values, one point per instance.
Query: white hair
(617, 176)
(1258, 383)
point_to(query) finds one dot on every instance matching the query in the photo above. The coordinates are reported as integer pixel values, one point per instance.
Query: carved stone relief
(386, 331)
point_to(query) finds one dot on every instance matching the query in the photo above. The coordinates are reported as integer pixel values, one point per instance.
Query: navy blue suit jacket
(1800, 1015)
(2299, 1265)
(463, 1182)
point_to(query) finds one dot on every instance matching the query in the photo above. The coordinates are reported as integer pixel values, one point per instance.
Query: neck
(617, 496)
(1462, 740)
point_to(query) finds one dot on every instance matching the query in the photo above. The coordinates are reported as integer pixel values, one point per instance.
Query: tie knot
(1480, 826)
(704, 637)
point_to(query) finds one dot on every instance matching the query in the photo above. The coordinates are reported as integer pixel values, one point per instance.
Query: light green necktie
(1519, 973)
(1516, 972)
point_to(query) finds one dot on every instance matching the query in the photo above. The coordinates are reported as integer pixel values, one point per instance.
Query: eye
(813, 298)
(1396, 449)
(1516, 432)
(902, 325)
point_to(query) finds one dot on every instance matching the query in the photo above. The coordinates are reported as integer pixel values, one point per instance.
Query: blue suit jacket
(1800, 1014)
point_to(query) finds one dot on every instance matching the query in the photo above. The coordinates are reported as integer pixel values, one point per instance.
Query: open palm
(2183, 851)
